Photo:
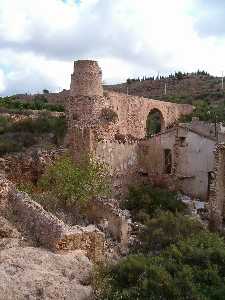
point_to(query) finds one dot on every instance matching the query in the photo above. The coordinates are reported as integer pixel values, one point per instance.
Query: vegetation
(165, 229)
(177, 75)
(153, 124)
(15, 136)
(206, 112)
(190, 269)
(39, 103)
(144, 202)
(177, 258)
(68, 185)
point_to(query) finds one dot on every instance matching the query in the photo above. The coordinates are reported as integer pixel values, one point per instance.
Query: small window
(182, 140)
(168, 161)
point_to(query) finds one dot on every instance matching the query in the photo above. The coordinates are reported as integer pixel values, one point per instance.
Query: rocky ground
(28, 272)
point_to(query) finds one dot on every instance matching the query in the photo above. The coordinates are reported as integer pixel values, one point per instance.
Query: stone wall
(114, 220)
(217, 189)
(94, 119)
(192, 160)
(52, 98)
(28, 166)
(45, 228)
(86, 79)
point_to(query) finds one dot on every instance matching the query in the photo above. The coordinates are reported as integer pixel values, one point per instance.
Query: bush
(72, 185)
(144, 201)
(40, 103)
(166, 229)
(14, 142)
(42, 125)
(192, 269)
(15, 136)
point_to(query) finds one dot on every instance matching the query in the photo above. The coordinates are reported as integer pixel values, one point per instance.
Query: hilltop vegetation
(199, 89)
(181, 87)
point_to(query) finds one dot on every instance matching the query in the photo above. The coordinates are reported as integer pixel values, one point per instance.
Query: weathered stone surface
(34, 273)
(113, 139)
(7, 230)
(217, 189)
(28, 166)
(114, 220)
(46, 229)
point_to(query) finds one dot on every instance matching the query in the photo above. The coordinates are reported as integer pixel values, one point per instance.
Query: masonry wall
(121, 157)
(196, 160)
(47, 229)
(192, 160)
(107, 125)
(151, 155)
(217, 189)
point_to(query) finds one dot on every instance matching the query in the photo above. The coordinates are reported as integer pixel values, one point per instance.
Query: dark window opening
(143, 174)
(168, 161)
(211, 176)
(182, 141)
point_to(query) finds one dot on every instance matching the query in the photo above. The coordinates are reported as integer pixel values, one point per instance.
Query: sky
(39, 40)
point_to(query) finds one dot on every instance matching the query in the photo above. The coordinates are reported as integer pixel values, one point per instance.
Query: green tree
(191, 269)
(165, 229)
(144, 201)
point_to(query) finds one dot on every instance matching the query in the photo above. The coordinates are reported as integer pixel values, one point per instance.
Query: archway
(154, 122)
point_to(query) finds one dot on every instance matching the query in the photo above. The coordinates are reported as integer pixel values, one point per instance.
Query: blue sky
(40, 39)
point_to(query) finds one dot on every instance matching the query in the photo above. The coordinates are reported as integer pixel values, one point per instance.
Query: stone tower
(86, 79)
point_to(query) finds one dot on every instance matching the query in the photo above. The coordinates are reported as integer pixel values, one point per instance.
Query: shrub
(192, 269)
(73, 185)
(4, 123)
(40, 103)
(9, 146)
(41, 125)
(166, 229)
(144, 201)
(15, 142)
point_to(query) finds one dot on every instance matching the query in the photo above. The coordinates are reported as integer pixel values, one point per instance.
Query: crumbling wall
(151, 152)
(194, 164)
(127, 115)
(86, 79)
(217, 189)
(46, 228)
(114, 220)
(192, 160)
(28, 166)
(120, 157)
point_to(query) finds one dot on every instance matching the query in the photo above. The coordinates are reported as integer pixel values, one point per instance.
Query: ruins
(113, 128)
(110, 126)
(217, 188)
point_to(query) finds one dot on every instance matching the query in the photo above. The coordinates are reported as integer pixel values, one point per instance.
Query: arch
(154, 122)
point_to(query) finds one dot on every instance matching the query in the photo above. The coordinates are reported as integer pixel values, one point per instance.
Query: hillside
(181, 88)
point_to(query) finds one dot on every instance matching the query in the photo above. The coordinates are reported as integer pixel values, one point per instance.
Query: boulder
(35, 273)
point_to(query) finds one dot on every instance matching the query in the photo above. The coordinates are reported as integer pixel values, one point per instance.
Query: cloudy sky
(40, 39)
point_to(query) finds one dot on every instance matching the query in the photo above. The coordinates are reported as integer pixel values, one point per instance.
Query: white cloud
(39, 40)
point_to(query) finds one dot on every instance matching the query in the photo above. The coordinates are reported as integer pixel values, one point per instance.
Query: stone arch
(155, 122)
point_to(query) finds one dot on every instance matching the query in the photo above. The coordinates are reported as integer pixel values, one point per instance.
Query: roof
(187, 129)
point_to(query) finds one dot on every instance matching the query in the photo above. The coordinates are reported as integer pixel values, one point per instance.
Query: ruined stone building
(109, 125)
(217, 188)
(179, 158)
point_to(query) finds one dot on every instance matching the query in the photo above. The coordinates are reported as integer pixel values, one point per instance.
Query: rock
(34, 273)
(7, 230)
(7, 243)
